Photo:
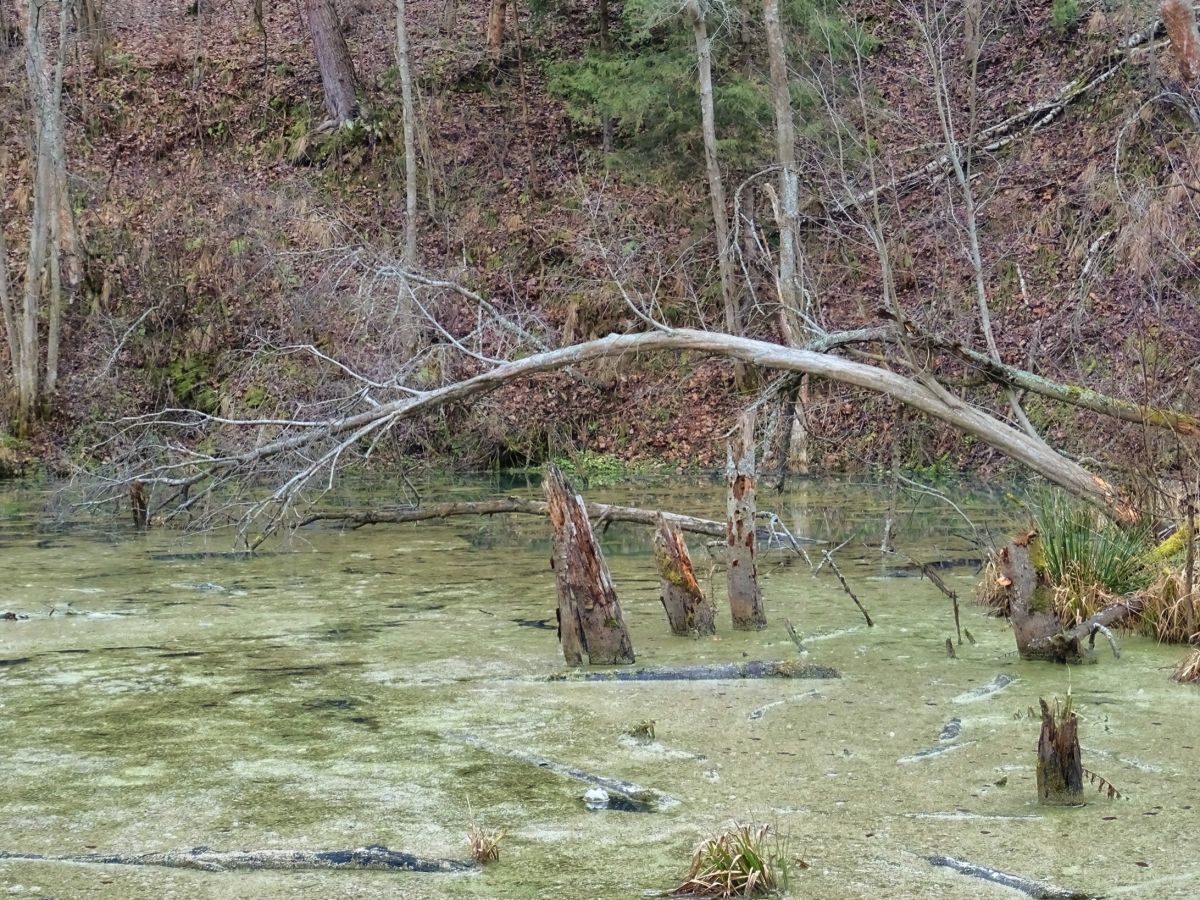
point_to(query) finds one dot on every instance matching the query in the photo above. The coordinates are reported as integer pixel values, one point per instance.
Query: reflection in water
(304, 699)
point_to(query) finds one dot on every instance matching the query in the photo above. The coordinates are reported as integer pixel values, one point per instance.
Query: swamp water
(309, 699)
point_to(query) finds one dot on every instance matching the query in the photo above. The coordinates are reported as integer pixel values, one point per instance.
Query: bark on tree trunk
(1059, 769)
(333, 59)
(495, 29)
(745, 595)
(688, 610)
(716, 187)
(590, 622)
(410, 139)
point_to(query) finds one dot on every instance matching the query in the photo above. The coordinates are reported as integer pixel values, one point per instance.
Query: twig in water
(838, 572)
(791, 630)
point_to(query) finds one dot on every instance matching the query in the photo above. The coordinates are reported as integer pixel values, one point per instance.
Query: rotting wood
(756, 668)
(1059, 769)
(689, 612)
(1016, 882)
(139, 505)
(590, 621)
(640, 799)
(372, 857)
(1038, 630)
(745, 594)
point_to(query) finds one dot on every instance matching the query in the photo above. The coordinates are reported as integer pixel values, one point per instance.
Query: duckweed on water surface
(307, 704)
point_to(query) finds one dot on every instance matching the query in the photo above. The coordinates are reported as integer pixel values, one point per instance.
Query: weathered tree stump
(589, 617)
(1059, 769)
(745, 595)
(1037, 628)
(139, 505)
(688, 610)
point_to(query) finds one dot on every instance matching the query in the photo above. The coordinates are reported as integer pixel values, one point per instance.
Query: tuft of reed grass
(1170, 614)
(1088, 563)
(1188, 671)
(484, 842)
(743, 860)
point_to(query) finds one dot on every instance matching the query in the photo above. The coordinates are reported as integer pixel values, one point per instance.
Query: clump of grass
(1088, 563)
(1188, 671)
(484, 842)
(741, 861)
(1170, 614)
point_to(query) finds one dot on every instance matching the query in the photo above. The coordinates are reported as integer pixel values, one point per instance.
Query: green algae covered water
(164, 695)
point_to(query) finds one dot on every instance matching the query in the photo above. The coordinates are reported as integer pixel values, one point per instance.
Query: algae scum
(378, 687)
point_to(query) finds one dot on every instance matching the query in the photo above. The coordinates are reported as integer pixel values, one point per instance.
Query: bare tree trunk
(605, 48)
(791, 296)
(91, 23)
(716, 187)
(333, 59)
(794, 311)
(11, 334)
(1059, 768)
(590, 622)
(1180, 18)
(410, 140)
(688, 610)
(495, 29)
(449, 20)
(745, 595)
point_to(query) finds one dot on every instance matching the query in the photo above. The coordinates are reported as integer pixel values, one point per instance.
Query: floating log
(1033, 888)
(1059, 770)
(631, 797)
(590, 622)
(707, 672)
(745, 594)
(689, 612)
(1038, 630)
(372, 857)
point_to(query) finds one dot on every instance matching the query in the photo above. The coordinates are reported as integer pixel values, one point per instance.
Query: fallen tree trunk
(1038, 630)
(372, 857)
(689, 612)
(1016, 882)
(707, 672)
(344, 433)
(590, 623)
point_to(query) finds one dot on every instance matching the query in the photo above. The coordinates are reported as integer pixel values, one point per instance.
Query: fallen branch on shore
(630, 797)
(756, 668)
(1016, 882)
(372, 857)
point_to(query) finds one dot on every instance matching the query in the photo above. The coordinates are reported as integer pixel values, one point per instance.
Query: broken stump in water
(1037, 628)
(589, 617)
(1059, 769)
(745, 595)
(688, 610)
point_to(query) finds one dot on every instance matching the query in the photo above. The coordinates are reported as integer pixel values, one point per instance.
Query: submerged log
(590, 622)
(372, 857)
(631, 797)
(1016, 882)
(1038, 630)
(756, 668)
(689, 612)
(745, 595)
(1059, 769)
